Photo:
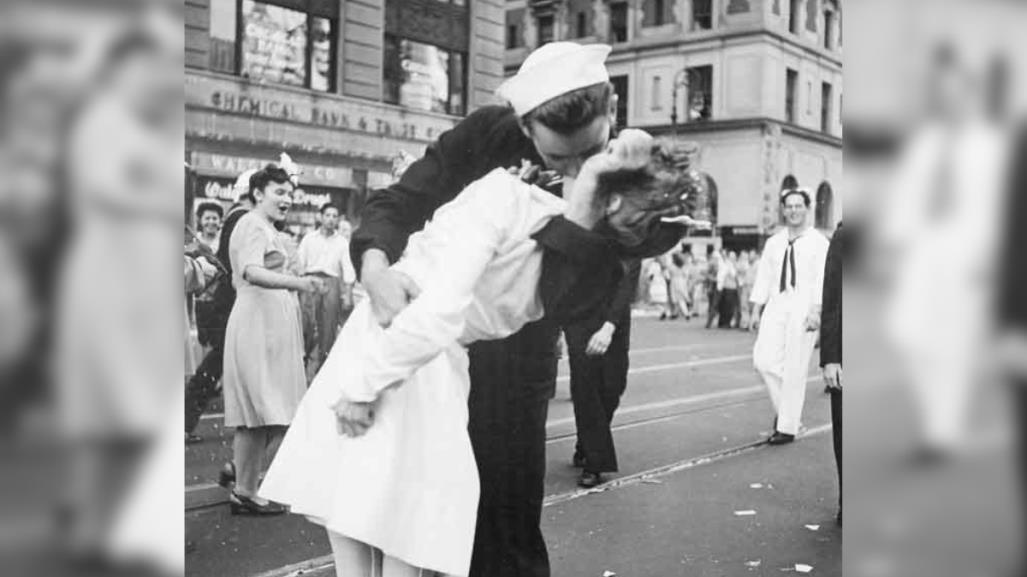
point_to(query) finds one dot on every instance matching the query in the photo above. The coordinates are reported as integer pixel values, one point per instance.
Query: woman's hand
(353, 418)
(631, 150)
(312, 284)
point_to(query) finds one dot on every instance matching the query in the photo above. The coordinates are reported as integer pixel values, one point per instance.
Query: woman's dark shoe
(226, 478)
(589, 479)
(241, 505)
(779, 438)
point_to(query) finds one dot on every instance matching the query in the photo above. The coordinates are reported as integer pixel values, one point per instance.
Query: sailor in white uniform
(787, 298)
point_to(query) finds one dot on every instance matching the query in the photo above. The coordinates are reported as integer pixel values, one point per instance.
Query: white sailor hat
(797, 190)
(553, 70)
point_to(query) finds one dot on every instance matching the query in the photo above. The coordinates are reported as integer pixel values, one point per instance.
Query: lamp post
(680, 79)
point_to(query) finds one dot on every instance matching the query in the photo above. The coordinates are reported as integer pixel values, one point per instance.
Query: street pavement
(689, 435)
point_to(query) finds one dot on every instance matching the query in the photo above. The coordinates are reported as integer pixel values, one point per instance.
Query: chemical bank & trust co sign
(241, 97)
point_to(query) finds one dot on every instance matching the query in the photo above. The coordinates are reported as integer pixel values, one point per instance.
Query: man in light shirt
(325, 253)
(727, 288)
(787, 295)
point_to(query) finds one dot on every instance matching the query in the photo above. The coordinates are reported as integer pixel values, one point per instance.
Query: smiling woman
(263, 377)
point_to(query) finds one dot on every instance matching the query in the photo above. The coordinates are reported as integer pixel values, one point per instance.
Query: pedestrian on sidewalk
(679, 294)
(748, 282)
(598, 351)
(831, 345)
(406, 492)
(264, 378)
(727, 288)
(788, 295)
(710, 275)
(212, 318)
(324, 253)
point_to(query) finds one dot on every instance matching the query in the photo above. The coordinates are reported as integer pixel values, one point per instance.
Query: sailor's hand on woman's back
(390, 290)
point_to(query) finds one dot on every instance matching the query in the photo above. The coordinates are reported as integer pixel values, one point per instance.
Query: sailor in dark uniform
(561, 111)
(598, 350)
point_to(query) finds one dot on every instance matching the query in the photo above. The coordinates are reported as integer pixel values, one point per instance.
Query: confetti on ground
(753, 564)
(745, 513)
(813, 527)
(653, 481)
(609, 574)
(803, 568)
(756, 486)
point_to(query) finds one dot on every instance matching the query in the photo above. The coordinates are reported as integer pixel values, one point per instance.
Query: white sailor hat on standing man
(554, 70)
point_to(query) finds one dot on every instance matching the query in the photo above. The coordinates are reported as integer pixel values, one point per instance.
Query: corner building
(342, 86)
(757, 84)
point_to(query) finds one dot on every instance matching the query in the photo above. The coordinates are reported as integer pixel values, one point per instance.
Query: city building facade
(757, 84)
(341, 86)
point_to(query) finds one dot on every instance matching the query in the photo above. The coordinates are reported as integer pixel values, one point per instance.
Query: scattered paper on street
(813, 527)
(803, 568)
(745, 513)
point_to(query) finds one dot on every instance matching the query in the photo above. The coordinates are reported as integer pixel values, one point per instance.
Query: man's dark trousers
(836, 433)
(597, 384)
(512, 381)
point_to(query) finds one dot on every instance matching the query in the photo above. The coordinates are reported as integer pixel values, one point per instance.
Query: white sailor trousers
(781, 356)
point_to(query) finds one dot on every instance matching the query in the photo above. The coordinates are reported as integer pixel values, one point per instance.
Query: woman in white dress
(401, 497)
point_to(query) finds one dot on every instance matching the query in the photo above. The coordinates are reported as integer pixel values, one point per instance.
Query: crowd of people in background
(715, 285)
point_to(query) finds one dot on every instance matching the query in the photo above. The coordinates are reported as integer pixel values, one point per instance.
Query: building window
(826, 97)
(286, 46)
(702, 15)
(657, 93)
(545, 30)
(655, 13)
(828, 29)
(700, 93)
(514, 28)
(582, 25)
(809, 97)
(791, 85)
(424, 77)
(620, 88)
(513, 36)
(223, 30)
(793, 16)
(619, 22)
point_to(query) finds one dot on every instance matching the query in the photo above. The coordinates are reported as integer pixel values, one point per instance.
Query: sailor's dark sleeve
(831, 311)
(580, 271)
(391, 215)
(619, 308)
(666, 237)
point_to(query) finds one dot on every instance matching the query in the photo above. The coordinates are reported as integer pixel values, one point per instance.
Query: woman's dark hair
(679, 259)
(666, 185)
(573, 111)
(209, 207)
(270, 173)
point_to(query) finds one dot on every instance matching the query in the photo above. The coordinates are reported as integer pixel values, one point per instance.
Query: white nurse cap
(553, 70)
